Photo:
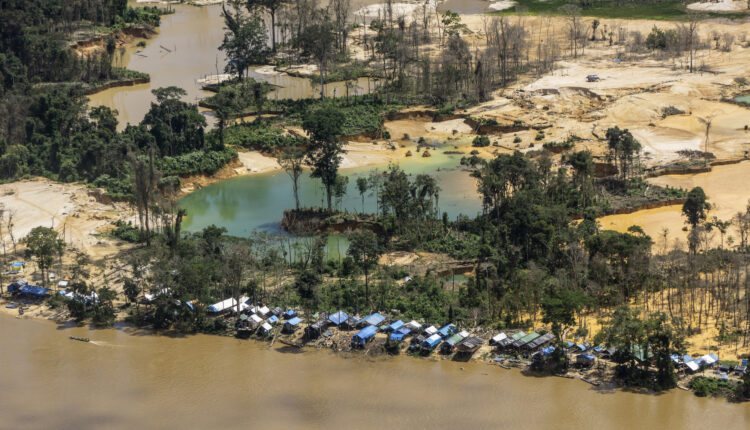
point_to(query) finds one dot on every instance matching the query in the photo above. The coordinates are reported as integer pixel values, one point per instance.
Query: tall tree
(324, 126)
(695, 210)
(319, 41)
(365, 249)
(43, 244)
(245, 39)
(272, 6)
(292, 160)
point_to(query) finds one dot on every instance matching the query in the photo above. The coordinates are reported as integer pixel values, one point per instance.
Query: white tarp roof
(464, 334)
(692, 365)
(431, 330)
(264, 310)
(413, 325)
(230, 303)
(256, 318)
(707, 359)
(266, 326)
(499, 337)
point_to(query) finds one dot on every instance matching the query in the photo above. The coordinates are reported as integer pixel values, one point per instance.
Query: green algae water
(257, 202)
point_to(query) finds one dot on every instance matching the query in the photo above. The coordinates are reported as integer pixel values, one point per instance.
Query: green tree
(363, 185)
(245, 39)
(324, 126)
(664, 341)
(695, 210)
(272, 6)
(43, 244)
(623, 149)
(318, 40)
(365, 249)
(561, 308)
(292, 160)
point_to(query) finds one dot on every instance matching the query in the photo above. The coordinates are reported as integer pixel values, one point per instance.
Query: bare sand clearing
(718, 6)
(726, 191)
(70, 209)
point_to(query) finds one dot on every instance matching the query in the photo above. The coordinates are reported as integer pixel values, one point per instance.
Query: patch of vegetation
(260, 136)
(197, 162)
(712, 387)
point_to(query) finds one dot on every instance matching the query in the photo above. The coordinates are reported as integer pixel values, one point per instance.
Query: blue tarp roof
(17, 264)
(548, 350)
(395, 326)
(364, 334)
(294, 321)
(290, 313)
(398, 336)
(190, 305)
(273, 319)
(686, 359)
(447, 330)
(585, 356)
(581, 347)
(374, 319)
(338, 317)
(568, 344)
(431, 341)
(404, 330)
(31, 290)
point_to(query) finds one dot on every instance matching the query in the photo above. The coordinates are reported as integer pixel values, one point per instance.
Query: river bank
(163, 378)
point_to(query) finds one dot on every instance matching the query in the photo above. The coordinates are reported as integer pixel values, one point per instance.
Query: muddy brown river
(129, 379)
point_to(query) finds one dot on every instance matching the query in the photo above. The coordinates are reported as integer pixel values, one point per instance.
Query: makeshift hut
(338, 318)
(469, 346)
(585, 360)
(418, 339)
(431, 342)
(273, 320)
(363, 336)
(265, 329)
(372, 319)
(429, 331)
(291, 313)
(447, 330)
(539, 342)
(399, 334)
(350, 323)
(495, 340)
(413, 325)
(394, 326)
(292, 325)
(524, 340)
(316, 329)
(450, 344)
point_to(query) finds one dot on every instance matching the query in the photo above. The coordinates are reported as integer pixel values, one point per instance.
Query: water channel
(127, 379)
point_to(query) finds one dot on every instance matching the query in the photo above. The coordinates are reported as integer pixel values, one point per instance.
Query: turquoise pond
(257, 202)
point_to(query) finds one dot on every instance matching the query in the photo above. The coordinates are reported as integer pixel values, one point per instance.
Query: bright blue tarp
(374, 319)
(364, 334)
(395, 326)
(447, 330)
(338, 317)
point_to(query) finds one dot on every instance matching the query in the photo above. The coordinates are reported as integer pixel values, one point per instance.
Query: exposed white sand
(502, 5)
(719, 6)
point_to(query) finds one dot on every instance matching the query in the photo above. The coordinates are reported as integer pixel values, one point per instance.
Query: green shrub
(194, 163)
(481, 141)
(517, 139)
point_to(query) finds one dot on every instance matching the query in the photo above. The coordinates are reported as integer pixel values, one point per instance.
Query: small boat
(80, 339)
(11, 306)
(290, 343)
(590, 381)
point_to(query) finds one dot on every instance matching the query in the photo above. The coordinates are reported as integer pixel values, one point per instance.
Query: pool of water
(257, 202)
